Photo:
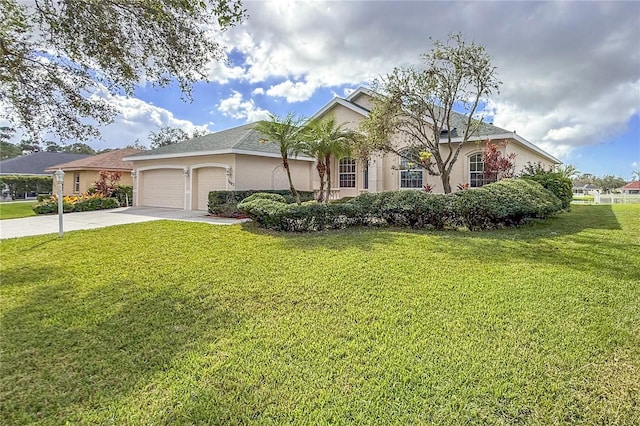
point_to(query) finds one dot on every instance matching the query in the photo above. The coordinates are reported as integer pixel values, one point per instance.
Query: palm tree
(324, 139)
(568, 171)
(287, 133)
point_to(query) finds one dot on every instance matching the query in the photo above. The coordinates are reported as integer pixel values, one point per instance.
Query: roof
(632, 185)
(458, 123)
(36, 163)
(111, 160)
(243, 139)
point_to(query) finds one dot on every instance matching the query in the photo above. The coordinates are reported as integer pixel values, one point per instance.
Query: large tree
(323, 139)
(414, 106)
(169, 136)
(287, 133)
(59, 59)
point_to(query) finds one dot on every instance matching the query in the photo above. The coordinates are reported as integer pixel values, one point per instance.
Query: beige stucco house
(80, 175)
(181, 175)
(388, 172)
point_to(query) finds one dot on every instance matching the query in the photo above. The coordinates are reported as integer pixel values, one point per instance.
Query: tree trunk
(327, 165)
(446, 181)
(285, 164)
(321, 173)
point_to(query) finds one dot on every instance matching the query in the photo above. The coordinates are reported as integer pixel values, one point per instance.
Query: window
(409, 178)
(76, 182)
(476, 171)
(347, 171)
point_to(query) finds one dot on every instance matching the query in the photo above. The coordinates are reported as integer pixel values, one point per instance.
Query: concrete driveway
(48, 224)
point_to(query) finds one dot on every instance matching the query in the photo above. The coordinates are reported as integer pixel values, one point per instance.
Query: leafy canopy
(60, 59)
(414, 107)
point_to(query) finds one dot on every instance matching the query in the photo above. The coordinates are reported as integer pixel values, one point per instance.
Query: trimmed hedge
(224, 203)
(556, 183)
(50, 206)
(19, 185)
(505, 203)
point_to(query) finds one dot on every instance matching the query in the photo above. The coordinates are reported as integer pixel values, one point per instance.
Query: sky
(570, 70)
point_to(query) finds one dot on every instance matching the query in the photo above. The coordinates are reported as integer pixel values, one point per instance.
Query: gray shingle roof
(36, 163)
(241, 138)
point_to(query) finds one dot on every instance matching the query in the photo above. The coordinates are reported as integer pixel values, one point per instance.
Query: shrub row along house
(181, 175)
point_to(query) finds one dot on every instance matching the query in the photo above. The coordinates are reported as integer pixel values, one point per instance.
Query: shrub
(504, 203)
(75, 203)
(555, 182)
(225, 203)
(124, 194)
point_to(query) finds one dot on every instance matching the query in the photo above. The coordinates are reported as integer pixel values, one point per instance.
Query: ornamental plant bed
(76, 203)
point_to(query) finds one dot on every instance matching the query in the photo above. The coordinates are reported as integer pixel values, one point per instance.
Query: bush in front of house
(555, 182)
(225, 203)
(73, 203)
(505, 203)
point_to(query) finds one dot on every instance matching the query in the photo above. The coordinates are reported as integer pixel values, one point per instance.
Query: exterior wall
(348, 117)
(244, 172)
(267, 173)
(87, 180)
(363, 100)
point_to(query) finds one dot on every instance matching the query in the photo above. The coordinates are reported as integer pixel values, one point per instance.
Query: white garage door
(163, 188)
(209, 179)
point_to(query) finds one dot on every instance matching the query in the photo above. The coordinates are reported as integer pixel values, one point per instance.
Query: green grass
(16, 209)
(186, 323)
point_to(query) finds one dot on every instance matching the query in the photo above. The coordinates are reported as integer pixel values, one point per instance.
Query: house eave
(339, 101)
(213, 152)
(510, 135)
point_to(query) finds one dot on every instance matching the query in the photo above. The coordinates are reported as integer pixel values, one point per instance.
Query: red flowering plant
(496, 164)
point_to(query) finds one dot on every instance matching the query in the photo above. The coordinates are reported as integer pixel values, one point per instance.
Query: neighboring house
(36, 163)
(181, 175)
(81, 174)
(33, 165)
(586, 189)
(631, 188)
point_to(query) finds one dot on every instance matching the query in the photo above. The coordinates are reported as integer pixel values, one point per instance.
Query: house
(631, 188)
(81, 174)
(32, 165)
(36, 164)
(181, 175)
(587, 189)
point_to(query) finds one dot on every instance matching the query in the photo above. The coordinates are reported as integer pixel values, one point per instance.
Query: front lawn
(16, 209)
(186, 323)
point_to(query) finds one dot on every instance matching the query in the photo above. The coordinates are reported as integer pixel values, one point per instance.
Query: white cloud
(293, 92)
(565, 85)
(258, 91)
(236, 107)
(136, 120)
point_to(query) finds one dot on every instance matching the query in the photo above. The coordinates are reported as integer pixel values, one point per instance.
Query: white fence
(616, 198)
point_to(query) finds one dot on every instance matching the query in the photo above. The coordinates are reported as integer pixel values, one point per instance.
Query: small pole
(60, 179)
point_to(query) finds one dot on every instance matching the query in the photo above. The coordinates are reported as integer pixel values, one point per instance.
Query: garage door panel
(209, 179)
(163, 188)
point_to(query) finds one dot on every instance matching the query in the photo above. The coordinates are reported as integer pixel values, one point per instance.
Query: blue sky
(570, 70)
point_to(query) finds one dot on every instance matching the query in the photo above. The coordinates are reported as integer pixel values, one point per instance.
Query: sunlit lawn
(185, 323)
(16, 209)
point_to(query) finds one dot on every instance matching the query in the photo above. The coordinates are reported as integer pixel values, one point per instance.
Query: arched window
(347, 172)
(476, 171)
(410, 175)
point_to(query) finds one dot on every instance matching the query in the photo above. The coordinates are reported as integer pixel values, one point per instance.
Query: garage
(162, 188)
(208, 179)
